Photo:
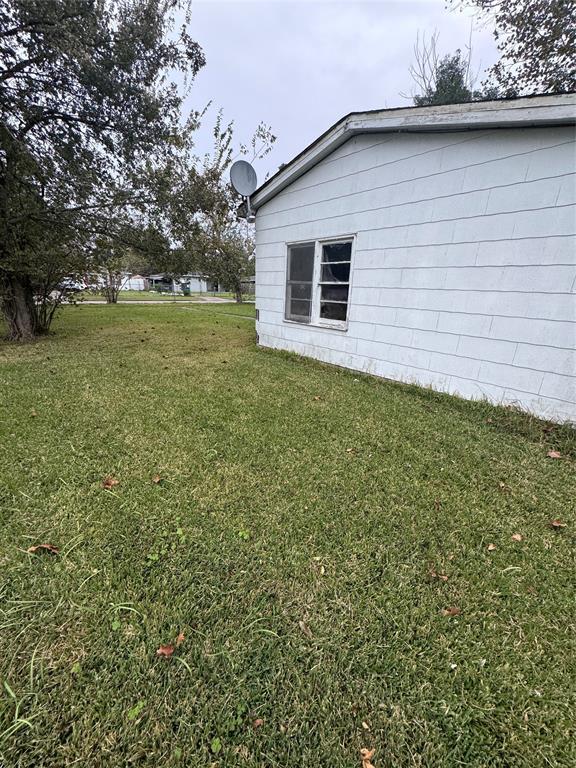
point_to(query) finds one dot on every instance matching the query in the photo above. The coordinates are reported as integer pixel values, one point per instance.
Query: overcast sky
(300, 65)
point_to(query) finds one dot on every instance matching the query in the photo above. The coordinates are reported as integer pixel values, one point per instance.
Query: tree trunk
(18, 307)
(238, 294)
(111, 294)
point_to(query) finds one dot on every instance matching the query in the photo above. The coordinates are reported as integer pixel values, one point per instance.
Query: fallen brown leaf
(165, 650)
(109, 482)
(50, 548)
(439, 576)
(316, 397)
(554, 455)
(180, 639)
(156, 479)
(367, 755)
(491, 547)
(517, 537)
(350, 450)
(305, 629)
(365, 725)
(258, 723)
(453, 611)
(557, 523)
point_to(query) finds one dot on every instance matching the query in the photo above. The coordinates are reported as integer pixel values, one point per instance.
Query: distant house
(134, 283)
(190, 283)
(248, 285)
(433, 245)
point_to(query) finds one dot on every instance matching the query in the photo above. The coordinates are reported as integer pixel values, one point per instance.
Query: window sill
(342, 327)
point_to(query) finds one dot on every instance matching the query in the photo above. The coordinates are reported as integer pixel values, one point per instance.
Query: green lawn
(157, 296)
(297, 539)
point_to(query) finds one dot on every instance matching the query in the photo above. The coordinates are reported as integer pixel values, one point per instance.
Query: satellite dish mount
(244, 181)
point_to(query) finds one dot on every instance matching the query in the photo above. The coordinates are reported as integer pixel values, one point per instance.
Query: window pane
(330, 311)
(299, 309)
(301, 262)
(337, 252)
(334, 293)
(300, 291)
(335, 273)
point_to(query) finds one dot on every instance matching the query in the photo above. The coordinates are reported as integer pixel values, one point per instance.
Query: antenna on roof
(243, 179)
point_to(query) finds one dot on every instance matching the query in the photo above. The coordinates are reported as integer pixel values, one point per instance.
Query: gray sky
(300, 65)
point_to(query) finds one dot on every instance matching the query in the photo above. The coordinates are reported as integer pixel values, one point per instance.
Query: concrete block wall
(464, 264)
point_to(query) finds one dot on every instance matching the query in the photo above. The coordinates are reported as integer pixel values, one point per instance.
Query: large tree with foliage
(203, 206)
(537, 44)
(87, 112)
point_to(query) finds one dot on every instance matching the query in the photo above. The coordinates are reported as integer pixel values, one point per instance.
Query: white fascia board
(295, 168)
(524, 113)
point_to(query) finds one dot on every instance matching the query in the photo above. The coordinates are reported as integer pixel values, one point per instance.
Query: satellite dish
(243, 178)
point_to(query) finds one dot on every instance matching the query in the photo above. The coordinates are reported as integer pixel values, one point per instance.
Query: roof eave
(523, 112)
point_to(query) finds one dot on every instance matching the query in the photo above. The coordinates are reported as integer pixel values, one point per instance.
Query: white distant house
(433, 245)
(191, 283)
(134, 283)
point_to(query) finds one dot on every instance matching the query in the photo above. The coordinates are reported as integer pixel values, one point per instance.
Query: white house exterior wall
(200, 285)
(464, 267)
(133, 283)
(197, 285)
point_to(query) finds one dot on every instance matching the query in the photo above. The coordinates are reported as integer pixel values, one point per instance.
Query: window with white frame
(318, 282)
(299, 282)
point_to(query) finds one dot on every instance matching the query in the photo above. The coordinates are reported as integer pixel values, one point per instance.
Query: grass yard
(311, 530)
(158, 296)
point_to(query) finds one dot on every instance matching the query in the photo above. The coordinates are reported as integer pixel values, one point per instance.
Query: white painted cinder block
(462, 323)
(464, 271)
(560, 387)
(493, 350)
(373, 314)
(436, 342)
(543, 332)
(269, 305)
(421, 319)
(546, 358)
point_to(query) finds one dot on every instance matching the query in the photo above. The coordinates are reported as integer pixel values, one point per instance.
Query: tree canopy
(88, 115)
(537, 44)
(448, 83)
(202, 209)
(444, 79)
